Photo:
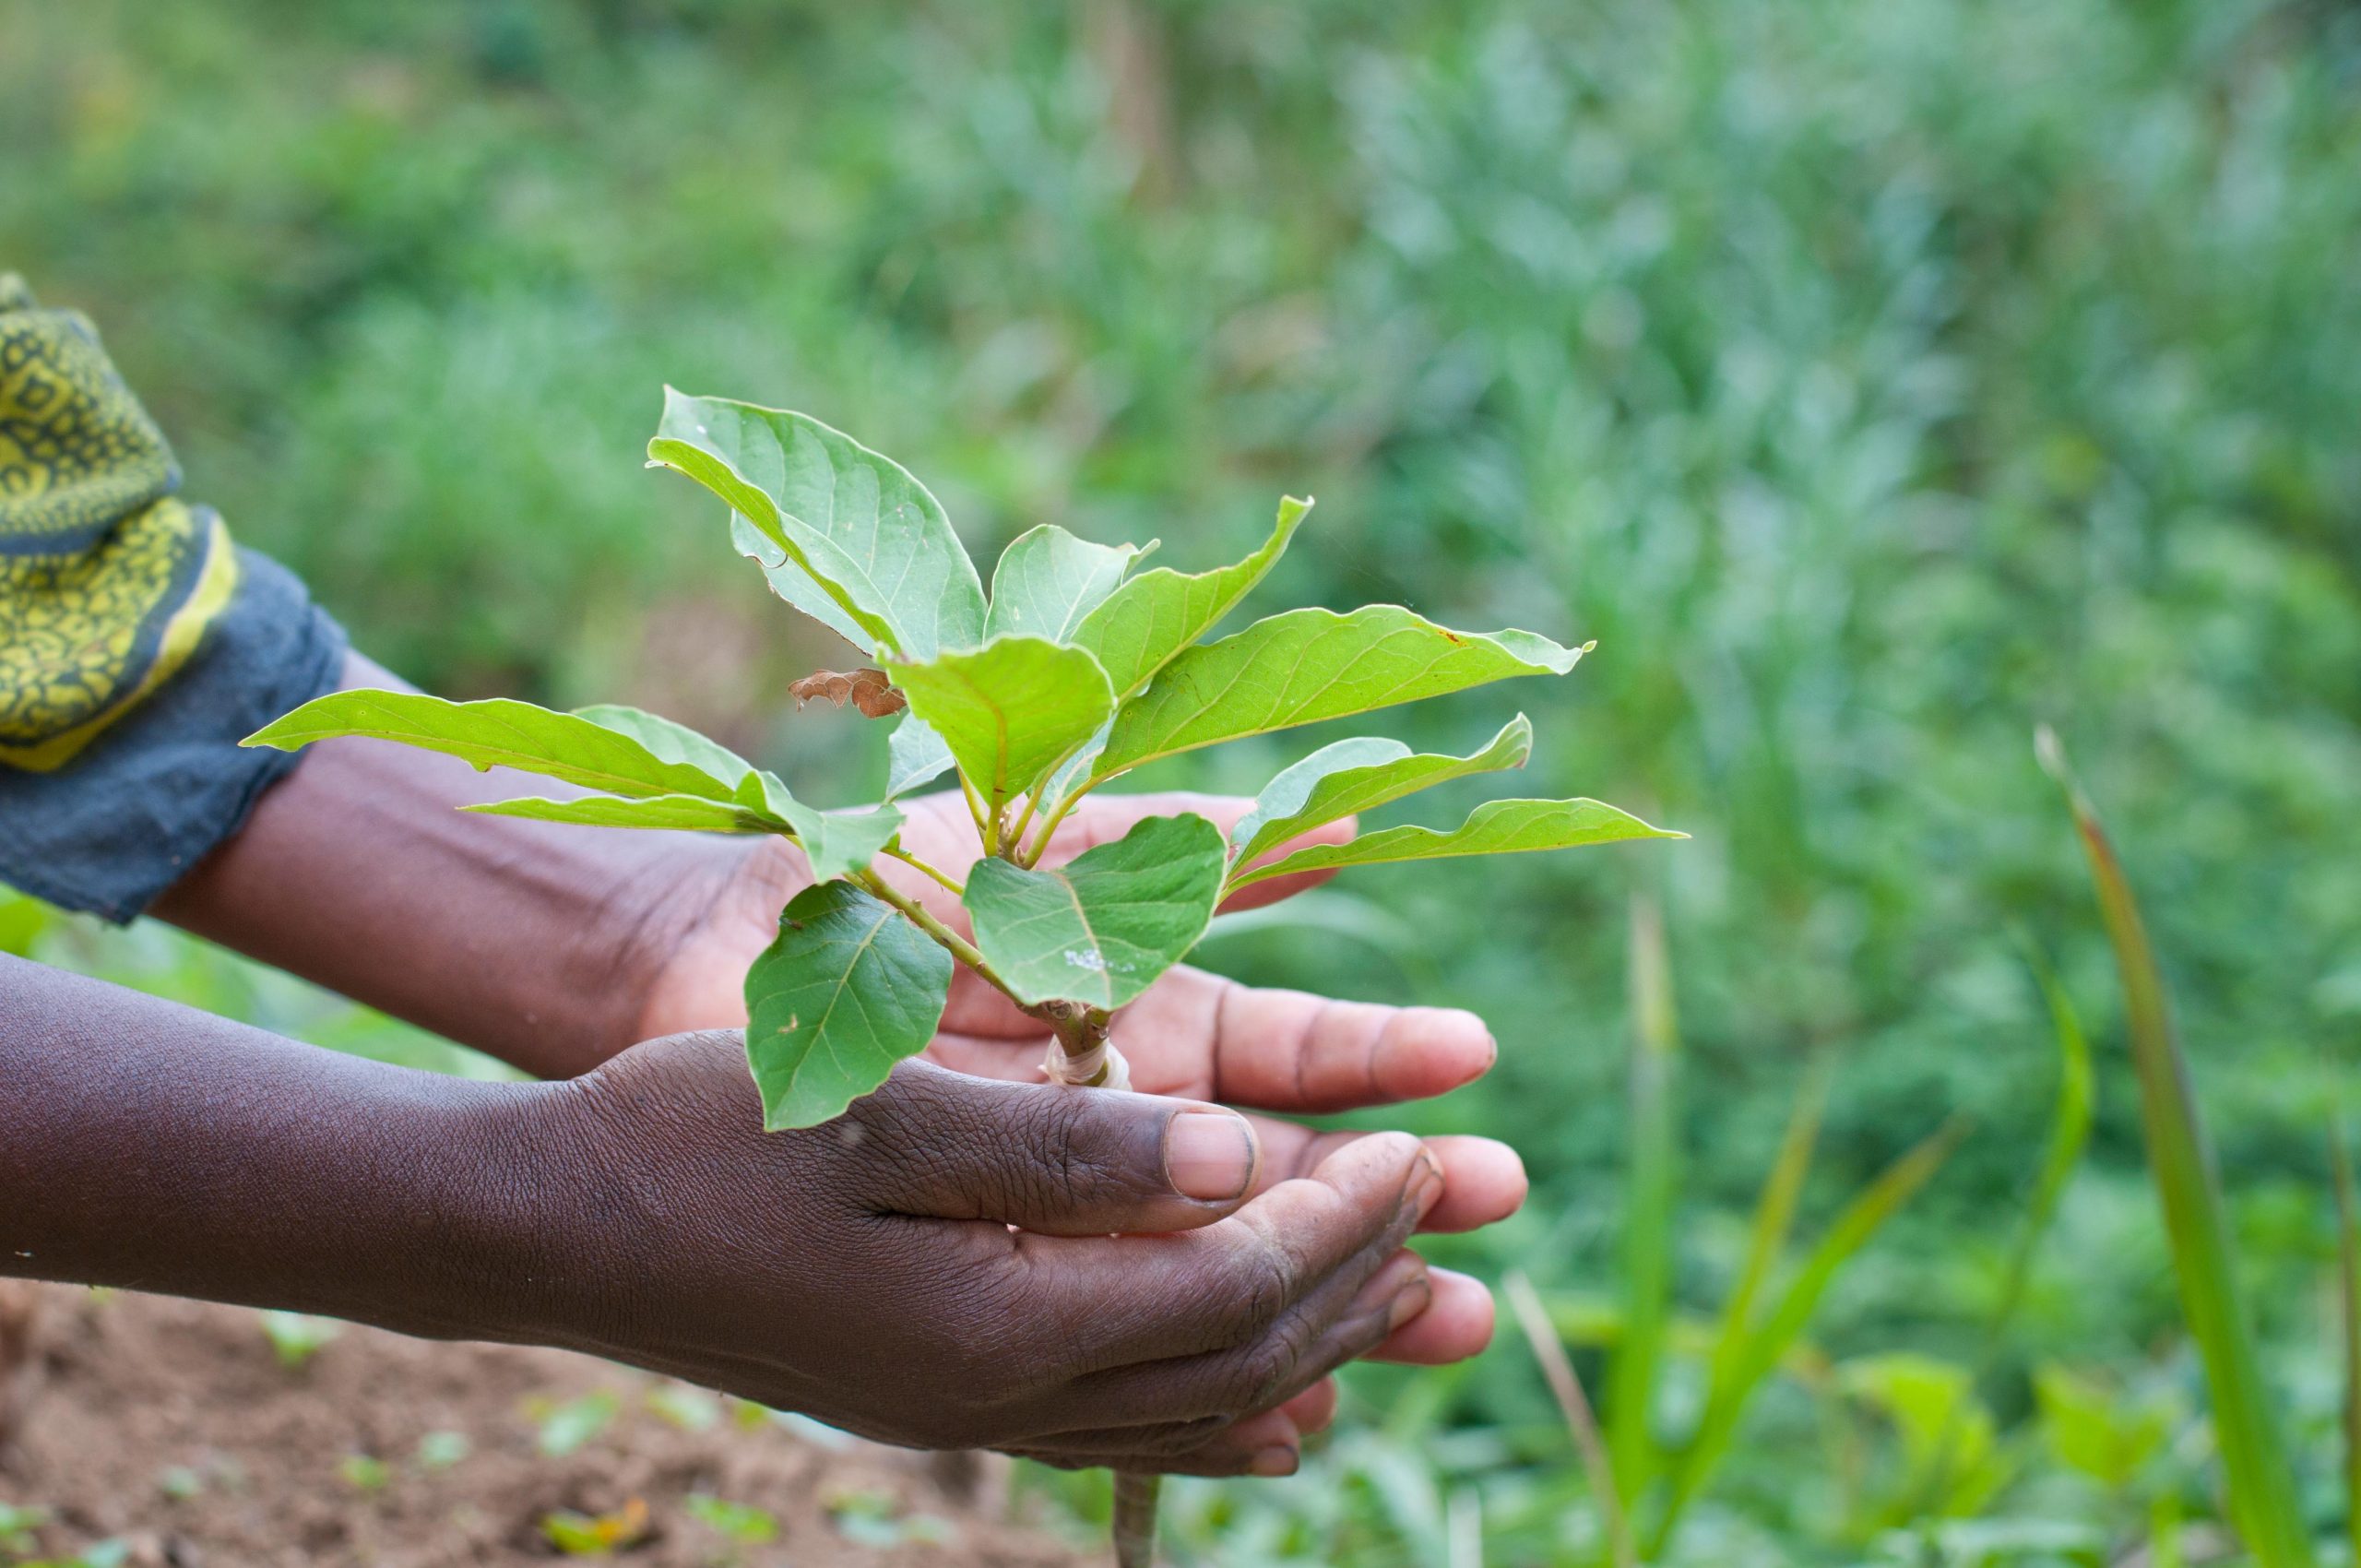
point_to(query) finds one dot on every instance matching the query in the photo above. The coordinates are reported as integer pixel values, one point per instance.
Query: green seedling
(742, 1522)
(566, 1427)
(296, 1337)
(1076, 669)
(17, 1524)
(440, 1450)
(363, 1472)
(596, 1535)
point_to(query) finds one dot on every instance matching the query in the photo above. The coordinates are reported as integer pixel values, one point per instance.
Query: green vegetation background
(1871, 380)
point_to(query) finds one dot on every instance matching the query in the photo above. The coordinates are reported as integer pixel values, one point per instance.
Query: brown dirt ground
(172, 1426)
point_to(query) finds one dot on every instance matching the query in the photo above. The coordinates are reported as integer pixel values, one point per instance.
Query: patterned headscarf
(107, 582)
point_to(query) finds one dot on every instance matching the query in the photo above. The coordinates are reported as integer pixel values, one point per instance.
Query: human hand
(865, 1272)
(1193, 1034)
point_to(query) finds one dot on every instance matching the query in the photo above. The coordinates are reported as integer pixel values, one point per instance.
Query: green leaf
(1496, 828)
(1144, 623)
(1048, 580)
(855, 540)
(674, 743)
(2180, 1161)
(914, 753)
(1359, 776)
(1102, 927)
(1010, 710)
(848, 989)
(838, 843)
(1308, 665)
(686, 814)
(497, 732)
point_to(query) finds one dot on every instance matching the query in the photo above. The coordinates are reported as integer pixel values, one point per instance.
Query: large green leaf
(838, 843)
(674, 743)
(1010, 709)
(1100, 928)
(688, 813)
(1144, 623)
(914, 753)
(497, 732)
(1048, 580)
(1308, 665)
(1496, 828)
(858, 540)
(1360, 775)
(849, 989)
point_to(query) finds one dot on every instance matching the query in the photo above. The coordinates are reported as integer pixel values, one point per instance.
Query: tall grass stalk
(1582, 1424)
(1648, 1209)
(2261, 1487)
(2348, 1282)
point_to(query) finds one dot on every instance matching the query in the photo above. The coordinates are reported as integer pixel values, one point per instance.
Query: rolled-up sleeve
(137, 643)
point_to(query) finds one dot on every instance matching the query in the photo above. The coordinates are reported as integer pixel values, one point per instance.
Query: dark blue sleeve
(147, 799)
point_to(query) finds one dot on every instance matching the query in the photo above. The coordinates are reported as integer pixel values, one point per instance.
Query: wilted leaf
(1102, 927)
(855, 541)
(870, 691)
(1049, 580)
(1010, 709)
(1308, 665)
(1140, 626)
(849, 989)
(497, 732)
(1496, 828)
(1360, 775)
(914, 753)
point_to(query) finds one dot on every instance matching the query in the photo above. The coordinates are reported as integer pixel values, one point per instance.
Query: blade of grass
(1760, 1348)
(1581, 1423)
(2262, 1495)
(1647, 1219)
(2348, 1280)
(2069, 1133)
(1775, 1215)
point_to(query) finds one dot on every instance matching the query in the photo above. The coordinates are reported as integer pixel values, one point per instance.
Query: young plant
(1076, 669)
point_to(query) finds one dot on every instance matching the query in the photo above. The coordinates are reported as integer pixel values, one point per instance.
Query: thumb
(1044, 1157)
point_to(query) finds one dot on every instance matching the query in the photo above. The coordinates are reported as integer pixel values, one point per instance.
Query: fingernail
(1412, 1299)
(1276, 1460)
(1209, 1155)
(1426, 1186)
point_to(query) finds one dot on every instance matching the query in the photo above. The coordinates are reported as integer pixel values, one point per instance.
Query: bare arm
(536, 942)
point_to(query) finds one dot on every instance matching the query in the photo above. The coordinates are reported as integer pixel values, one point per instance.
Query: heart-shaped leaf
(1496, 828)
(1048, 580)
(497, 732)
(914, 753)
(687, 814)
(1102, 927)
(1010, 709)
(1148, 620)
(1362, 775)
(853, 539)
(1308, 665)
(849, 989)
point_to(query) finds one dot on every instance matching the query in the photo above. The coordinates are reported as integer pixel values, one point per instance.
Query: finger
(1315, 1408)
(1286, 1262)
(1281, 1455)
(1296, 1052)
(1456, 1324)
(1054, 1160)
(1484, 1179)
(1346, 1318)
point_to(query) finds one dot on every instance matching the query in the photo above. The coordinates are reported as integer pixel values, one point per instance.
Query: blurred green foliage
(1873, 380)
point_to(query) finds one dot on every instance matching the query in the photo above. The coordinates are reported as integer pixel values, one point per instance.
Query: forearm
(536, 942)
(147, 1145)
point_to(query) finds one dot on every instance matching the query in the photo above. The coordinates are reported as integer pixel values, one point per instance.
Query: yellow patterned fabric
(107, 582)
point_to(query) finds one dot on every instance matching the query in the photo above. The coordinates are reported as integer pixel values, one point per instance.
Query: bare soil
(173, 1426)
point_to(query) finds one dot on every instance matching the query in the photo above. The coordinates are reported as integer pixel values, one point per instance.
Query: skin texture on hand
(936, 1268)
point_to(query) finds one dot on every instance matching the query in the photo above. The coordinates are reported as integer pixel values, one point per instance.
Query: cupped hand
(940, 1267)
(1193, 1034)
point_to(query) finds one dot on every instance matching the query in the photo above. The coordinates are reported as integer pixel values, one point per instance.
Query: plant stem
(976, 810)
(915, 912)
(1135, 1519)
(1050, 825)
(910, 859)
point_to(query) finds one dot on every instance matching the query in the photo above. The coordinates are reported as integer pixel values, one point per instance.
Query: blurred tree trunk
(1125, 41)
